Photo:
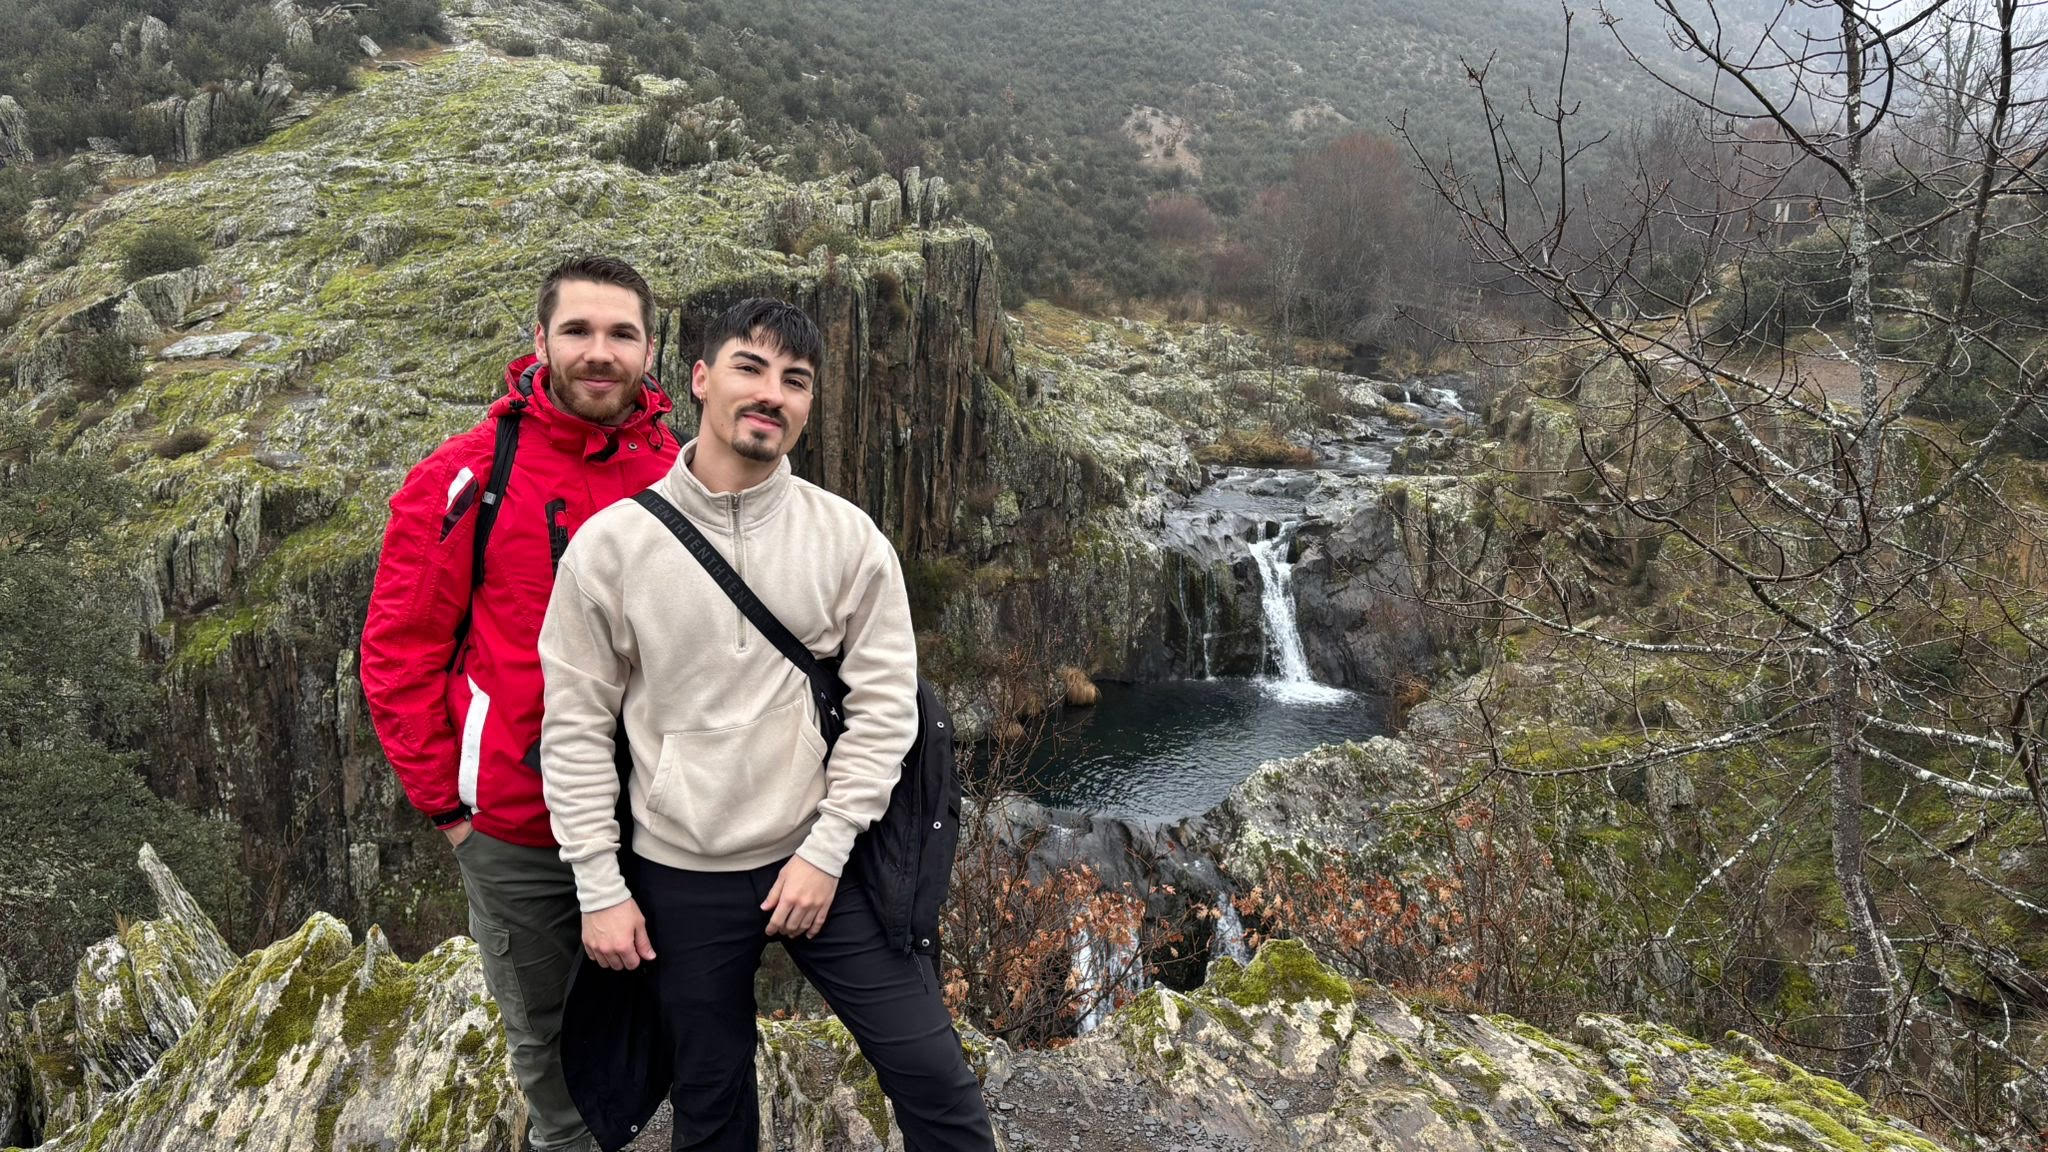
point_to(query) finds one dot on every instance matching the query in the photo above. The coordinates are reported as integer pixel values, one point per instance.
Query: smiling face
(756, 399)
(596, 349)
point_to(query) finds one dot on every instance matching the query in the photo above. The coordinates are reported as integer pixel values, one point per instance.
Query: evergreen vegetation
(75, 699)
(1023, 105)
(85, 69)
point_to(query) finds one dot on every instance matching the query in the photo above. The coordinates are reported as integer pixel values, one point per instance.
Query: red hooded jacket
(462, 725)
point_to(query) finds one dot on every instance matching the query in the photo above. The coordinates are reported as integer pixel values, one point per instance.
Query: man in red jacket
(449, 660)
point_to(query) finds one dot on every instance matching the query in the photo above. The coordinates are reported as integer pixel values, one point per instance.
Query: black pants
(708, 933)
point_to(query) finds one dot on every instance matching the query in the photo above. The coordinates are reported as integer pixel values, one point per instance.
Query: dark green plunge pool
(1167, 750)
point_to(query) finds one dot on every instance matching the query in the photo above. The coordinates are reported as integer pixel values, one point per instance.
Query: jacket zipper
(739, 565)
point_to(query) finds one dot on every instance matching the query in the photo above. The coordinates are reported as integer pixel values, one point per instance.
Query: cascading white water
(1228, 937)
(1108, 969)
(1283, 633)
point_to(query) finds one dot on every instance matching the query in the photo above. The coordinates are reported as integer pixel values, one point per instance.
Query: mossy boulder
(318, 1043)
(1285, 1053)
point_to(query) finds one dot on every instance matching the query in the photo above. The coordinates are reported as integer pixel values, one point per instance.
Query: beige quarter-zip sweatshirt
(729, 769)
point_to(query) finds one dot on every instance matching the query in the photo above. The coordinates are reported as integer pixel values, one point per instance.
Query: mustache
(761, 410)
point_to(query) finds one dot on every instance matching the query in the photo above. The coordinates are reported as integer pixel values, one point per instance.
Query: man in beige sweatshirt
(742, 828)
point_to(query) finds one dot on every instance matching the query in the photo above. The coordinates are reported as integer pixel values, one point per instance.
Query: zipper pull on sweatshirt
(739, 565)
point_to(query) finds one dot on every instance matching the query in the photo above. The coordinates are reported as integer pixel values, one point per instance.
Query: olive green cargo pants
(525, 920)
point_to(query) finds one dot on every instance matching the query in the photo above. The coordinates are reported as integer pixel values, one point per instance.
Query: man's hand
(457, 833)
(616, 937)
(801, 897)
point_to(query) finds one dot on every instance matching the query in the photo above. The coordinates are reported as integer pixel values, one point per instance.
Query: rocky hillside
(363, 277)
(352, 288)
(319, 1042)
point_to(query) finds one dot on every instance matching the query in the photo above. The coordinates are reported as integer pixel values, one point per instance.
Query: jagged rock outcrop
(14, 145)
(319, 1043)
(14, 1071)
(1283, 1053)
(155, 38)
(316, 1042)
(135, 994)
(298, 31)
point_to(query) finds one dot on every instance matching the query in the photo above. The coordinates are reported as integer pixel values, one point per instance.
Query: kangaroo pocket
(740, 789)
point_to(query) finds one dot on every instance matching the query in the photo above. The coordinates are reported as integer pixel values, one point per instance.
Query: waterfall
(1095, 962)
(1227, 940)
(1208, 623)
(1283, 633)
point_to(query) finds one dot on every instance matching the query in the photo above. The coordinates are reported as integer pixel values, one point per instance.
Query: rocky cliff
(317, 1042)
(365, 274)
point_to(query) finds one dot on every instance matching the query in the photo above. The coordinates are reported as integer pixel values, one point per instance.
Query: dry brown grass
(1255, 448)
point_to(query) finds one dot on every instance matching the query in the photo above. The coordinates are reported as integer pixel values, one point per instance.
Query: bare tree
(1849, 179)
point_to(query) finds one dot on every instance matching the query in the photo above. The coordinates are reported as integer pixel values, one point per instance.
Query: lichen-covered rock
(1283, 1053)
(134, 995)
(14, 145)
(14, 1076)
(818, 1094)
(318, 1043)
(1333, 799)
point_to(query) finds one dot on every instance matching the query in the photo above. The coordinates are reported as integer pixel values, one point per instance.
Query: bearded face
(596, 349)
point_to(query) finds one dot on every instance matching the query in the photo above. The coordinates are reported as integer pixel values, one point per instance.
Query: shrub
(181, 443)
(160, 248)
(520, 46)
(1324, 395)
(101, 365)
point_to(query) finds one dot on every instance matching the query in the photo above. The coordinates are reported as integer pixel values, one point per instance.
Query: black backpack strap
(494, 490)
(824, 683)
(502, 452)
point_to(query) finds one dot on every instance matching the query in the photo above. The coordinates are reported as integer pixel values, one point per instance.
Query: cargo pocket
(501, 974)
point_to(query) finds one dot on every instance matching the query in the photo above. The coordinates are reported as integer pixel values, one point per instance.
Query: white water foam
(1228, 937)
(1295, 684)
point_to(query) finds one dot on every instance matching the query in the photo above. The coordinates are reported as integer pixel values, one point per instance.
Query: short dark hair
(596, 270)
(776, 322)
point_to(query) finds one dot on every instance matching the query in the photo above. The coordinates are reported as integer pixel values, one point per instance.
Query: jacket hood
(526, 388)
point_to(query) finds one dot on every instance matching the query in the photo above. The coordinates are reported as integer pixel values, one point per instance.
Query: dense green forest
(1025, 106)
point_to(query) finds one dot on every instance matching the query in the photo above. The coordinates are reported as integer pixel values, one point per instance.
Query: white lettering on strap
(472, 743)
